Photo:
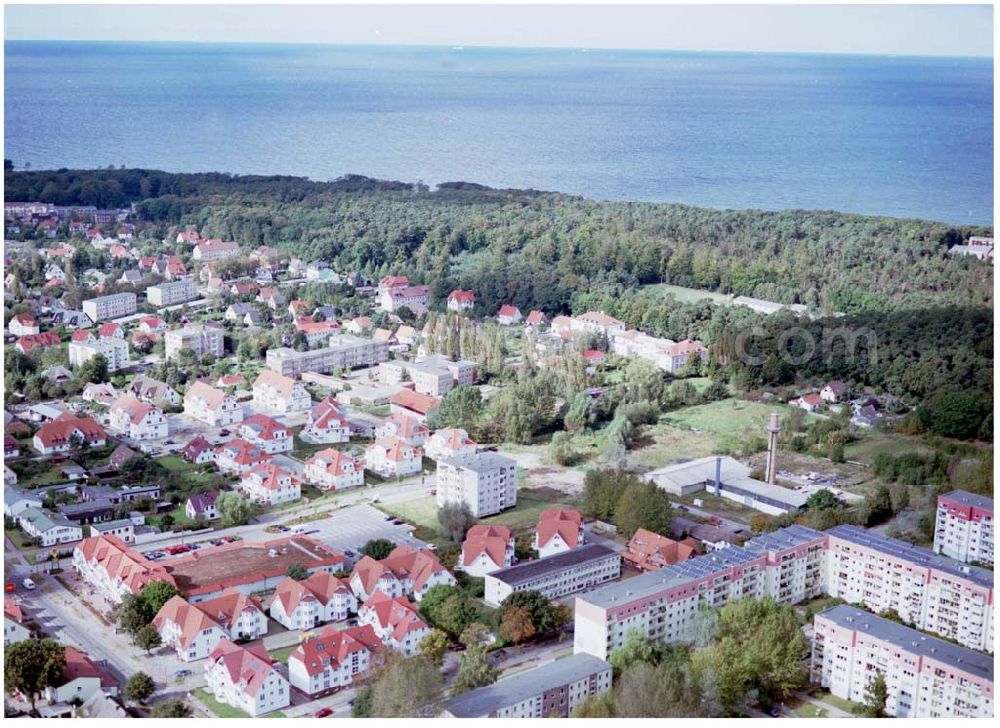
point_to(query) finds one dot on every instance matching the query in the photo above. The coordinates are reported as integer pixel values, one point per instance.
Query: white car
(28, 583)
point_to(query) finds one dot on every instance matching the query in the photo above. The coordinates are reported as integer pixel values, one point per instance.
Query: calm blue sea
(897, 136)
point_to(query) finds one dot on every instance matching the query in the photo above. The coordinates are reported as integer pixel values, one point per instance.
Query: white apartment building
(211, 406)
(246, 679)
(486, 549)
(963, 528)
(449, 442)
(486, 482)
(137, 420)
(344, 352)
(199, 338)
(435, 375)
(396, 622)
(267, 433)
(110, 307)
(194, 630)
(209, 250)
(304, 604)
(333, 469)
(555, 576)
(554, 689)
(925, 677)
(664, 354)
(596, 322)
(114, 351)
(270, 485)
(332, 659)
(280, 393)
(393, 458)
(168, 294)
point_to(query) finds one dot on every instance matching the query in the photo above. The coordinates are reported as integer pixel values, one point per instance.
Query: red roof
(403, 562)
(422, 404)
(460, 296)
(534, 318)
(507, 310)
(394, 282)
(122, 564)
(491, 540)
(60, 430)
(79, 665)
(248, 666)
(395, 614)
(331, 648)
(321, 587)
(82, 335)
(263, 427)
(108, 329)
(564, 521)
(648, 551)
(29, 342)
(136, 410)
(242, 452)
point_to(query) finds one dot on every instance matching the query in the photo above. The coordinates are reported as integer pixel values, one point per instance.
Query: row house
(246, 678)
(212, 406)
(393, 458)
(486, 548)
(305, 604)
(332, 659)
(266, 433)
(395, 621)
(280, 393)
(270, 485)
(925, 677)
(333, 469)
(449, 442)
(37, 341)
(114, 570)
(327, 423)
(137, 420)
(194, 630)
(406, 571)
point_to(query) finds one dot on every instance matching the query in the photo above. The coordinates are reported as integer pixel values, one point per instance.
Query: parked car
(182, 672)
(388, 518)
(323, 712)
(348, 553)
(397, 521)
(28, 583)
(9, 586)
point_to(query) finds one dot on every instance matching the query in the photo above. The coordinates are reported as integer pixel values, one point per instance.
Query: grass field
(176, 463)
(726, 418)
(683, 294)
(18, 538)
(281, 655)
(873, 443)
(660, 445)
(530, 504)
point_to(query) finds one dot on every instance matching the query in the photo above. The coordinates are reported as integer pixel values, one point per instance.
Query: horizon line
(475, 46)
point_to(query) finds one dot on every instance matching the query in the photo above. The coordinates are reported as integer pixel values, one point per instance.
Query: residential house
(270, 485)
(246, 678)
(558, 530)
(449, 442)
(193, 630)
(393, 458)
(332, 469)
(459, 300)
(332, 659)
(402, 427)
(153, 391)
(59, 434)
(199, 451)
(23, 324)
(417, 405)
(239, 456)
(808, 402)
(81, 679)
(211, 406)
(395, 621)
(209, 250)
(647, 551)
(486, 548)
(51, 529)
(202, 506)
(833, 392)
(535, 321)
(37, 341)
(313, 601)
(137, 420)
(358, 325)
(280, 393)
(103, 394)
(266, 433)
(14, 627)
(406, 571)
(327, 423)
(508, 315)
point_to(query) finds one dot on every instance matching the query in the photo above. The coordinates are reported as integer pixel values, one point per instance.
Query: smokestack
(773, 428)
(718, 476)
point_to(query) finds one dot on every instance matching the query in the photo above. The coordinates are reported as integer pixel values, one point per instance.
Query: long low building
(344, 352)
(555, 576)
(552, 690)
(925, 677)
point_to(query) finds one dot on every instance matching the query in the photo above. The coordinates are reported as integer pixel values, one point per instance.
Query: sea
(882, 135)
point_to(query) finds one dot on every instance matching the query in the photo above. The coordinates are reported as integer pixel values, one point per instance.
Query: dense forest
(538, 249)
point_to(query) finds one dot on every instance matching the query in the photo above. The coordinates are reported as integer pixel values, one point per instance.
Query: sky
(933, 30)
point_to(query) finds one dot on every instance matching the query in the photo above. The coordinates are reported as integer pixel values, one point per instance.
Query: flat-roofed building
(114, 351)
(344, 352)
(173, 292)
(110, 307)
(963, 528)
(199, 338)
(555, 689)
(485, 481)
(925, 677)
(435, 375)
(555, 576)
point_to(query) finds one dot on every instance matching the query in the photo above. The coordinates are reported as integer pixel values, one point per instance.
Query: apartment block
(555, 576)
(200, 338)
(552, 690)
(935, 593)
(168, 294)
(109, 307)
(344, 352)
(925, 677)
(963, 528)
(435, 375)
(114, 351)
(486, 482)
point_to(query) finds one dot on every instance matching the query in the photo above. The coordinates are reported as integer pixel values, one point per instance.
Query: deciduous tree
(32, 665)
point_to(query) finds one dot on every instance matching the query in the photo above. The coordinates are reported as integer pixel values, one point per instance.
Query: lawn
(660, 445)
(683, 294)
(825, 697)
(222, 710)
(176, 463)
(281, 655)
(727, 418)
(18, 538)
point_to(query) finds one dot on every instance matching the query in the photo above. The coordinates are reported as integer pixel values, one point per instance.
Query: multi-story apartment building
(925, 677)
(552, 690)
(110, 307)
(199, 338)
(168, 294)
(137, 420)
(194, 630)
(670, 356)
(933, 592)
(795, 563)
(963, 529)
(280, 393)
(211, 406)
(333, 469)
(435, 375)
(332, 659)
(209, 250)
(304, 604)
(486, 482)
(555, 576)
(344, 352)
(596, 322)
(246, 678)
(114, 351)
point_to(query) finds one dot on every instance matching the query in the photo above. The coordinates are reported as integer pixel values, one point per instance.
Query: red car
(323, 712)
(9, 586)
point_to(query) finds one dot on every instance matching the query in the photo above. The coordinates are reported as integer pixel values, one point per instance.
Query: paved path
(832, 711)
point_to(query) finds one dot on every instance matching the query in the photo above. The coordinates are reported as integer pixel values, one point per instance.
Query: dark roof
(911, 640)
(528, 570)
(121, 455)
(970, 499)
(524, 685)
(201, 501)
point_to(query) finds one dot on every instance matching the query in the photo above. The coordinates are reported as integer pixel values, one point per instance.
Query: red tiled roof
(648, 551)
(130, 567)
(263, 427)
(564, 521)
(250, 665)
(82, 335)
(508, 310)
(108, 329)
(79, 665)
(420, 403)
(491, 540)
(320, 586)
(242, 452)
(60, 430)
(397, 614)
(330, 646)
(136, 410)
(47, 338)
(461, 296)
(403, 562)
(336, 462)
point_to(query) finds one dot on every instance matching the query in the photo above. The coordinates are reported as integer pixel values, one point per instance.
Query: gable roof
(213, 397)
(420, 403)
(248, 666)
(491, 540)
(331, 648)
(320, 586)
(564, 521)
(648, 550)
(403, 562)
